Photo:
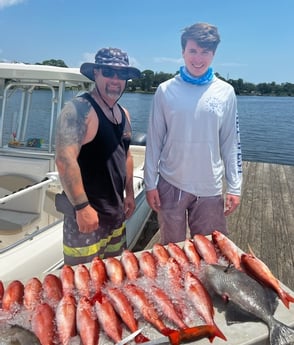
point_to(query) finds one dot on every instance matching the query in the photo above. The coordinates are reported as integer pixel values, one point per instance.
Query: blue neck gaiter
(187, 77)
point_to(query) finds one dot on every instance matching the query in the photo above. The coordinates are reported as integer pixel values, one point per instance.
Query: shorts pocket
(168, 194)
(63, 205)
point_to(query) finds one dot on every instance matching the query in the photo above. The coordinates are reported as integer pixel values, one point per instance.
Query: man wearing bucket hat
(94, 162)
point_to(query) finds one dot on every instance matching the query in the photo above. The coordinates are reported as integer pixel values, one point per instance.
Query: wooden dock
(265, 218)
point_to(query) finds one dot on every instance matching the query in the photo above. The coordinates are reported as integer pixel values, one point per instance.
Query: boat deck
(265, 218)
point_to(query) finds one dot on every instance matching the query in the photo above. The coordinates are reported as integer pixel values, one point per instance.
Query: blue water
(266, 123)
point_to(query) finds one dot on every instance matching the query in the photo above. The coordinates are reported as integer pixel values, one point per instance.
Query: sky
(257, 36)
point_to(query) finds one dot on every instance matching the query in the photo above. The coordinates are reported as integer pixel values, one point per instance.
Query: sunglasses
(109, 72)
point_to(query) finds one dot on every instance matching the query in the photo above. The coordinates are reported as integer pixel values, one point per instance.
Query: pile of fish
(169, 288)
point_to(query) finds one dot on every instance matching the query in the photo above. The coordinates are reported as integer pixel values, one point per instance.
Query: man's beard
(113, 93)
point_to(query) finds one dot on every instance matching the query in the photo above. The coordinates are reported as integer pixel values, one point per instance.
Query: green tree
(53, 62)
(147, 80)
(263, 88)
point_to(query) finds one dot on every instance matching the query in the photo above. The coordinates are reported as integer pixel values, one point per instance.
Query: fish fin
(140, 338)
(251, 251)
(281, 334)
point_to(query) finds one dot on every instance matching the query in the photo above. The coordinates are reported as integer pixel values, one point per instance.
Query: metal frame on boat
(30, 226)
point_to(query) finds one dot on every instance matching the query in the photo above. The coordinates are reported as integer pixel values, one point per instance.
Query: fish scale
(247, 294)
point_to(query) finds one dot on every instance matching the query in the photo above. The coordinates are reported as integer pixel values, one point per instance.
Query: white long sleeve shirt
(193, 138)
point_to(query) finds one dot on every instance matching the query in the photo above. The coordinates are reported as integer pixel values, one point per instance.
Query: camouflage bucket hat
(111, 57)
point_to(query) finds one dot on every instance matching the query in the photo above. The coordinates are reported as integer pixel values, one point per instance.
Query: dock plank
(265, 217)
(268, 200)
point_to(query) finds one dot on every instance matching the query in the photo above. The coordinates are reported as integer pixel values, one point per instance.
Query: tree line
(150, 81)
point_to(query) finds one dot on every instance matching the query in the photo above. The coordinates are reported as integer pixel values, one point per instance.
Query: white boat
(30, 226)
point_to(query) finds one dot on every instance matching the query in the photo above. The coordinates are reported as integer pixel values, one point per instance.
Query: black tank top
(103, 166)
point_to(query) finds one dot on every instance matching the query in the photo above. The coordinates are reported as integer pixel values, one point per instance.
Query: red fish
(192, 334)
(174, 275)
(227, 248)
(139, 300)
(130, 264)
(82, 280)
(191, 253)
(147, 265)
(123, 308)
(201, 300)
(205, 249)
(97, 273)
(114, 270)
(32, 293)
(166, 306)
(174, 284)
(13, 295)
(87, 323)
(52, 289)
(66, 319)
(67, 277)
(178, 254)
(261, 272)
(43, 320)
(160, 253)
(108, 318)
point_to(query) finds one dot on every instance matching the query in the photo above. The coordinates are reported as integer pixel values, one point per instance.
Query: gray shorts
(180, 210)
(107, 240)
(83, 247)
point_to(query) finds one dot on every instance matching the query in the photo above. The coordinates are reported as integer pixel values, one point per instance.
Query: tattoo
(71, 124)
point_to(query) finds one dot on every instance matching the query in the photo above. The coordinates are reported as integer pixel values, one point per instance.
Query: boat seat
(16, 220)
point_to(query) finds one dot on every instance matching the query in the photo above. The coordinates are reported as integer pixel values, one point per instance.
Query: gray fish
(16, 335)
(249, 296)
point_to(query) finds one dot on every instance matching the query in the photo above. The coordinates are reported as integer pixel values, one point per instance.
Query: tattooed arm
(71, 133)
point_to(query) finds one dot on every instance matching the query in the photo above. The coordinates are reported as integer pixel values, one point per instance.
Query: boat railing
(50, 178)
(30, 236)
(28, 88)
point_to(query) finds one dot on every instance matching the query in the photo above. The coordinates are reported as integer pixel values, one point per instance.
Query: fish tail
(168, 331)
(285, 297)
(195, 333)
(281, 334)
(217, 333)
(288, 297)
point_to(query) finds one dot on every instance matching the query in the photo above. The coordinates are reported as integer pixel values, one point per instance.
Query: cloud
(9, 3)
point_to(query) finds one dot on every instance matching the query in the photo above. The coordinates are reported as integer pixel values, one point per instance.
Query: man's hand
(153, 200)
(87, 219)
(231, 203)
(129, 206)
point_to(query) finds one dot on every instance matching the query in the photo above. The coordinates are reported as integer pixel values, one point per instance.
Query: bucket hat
(111, 57)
